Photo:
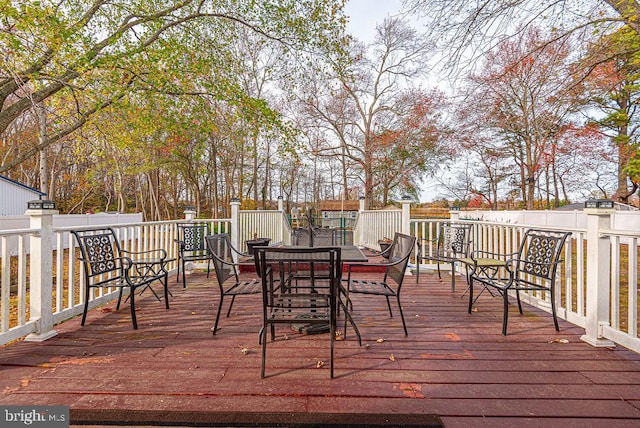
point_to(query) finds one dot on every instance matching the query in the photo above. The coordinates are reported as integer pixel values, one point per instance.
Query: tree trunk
(42, 141)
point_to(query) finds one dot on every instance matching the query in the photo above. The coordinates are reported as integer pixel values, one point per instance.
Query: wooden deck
(454, 369)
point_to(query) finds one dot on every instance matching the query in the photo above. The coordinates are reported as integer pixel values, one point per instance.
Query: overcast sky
(363, 17)
(365, 14)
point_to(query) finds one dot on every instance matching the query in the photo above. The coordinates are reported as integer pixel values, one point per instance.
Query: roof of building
(24, 186)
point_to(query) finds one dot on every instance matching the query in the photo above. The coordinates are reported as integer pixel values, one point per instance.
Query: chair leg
(470, 294)
(233, 299)
(86, 305)
(553, 312)
(264, 349)
(389, 306)
(215, 326)
(417, 271)
(133, 308)
(184, 271)
(505, 316)
(404, 325)
(519, 303)
(438, 264)
(119, 299)
(178, 270)
(332, 332)
(166, 291)
(453, 276)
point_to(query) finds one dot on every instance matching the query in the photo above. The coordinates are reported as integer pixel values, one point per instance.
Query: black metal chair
(391, 282)
(192, 247)
(533, 269)
(107, 265)
(312, 299)
(452, 243)
(227, 267)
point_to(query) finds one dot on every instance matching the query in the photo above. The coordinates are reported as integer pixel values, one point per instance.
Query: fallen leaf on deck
(392, 357)
(193, 313)
(106, 309)
(559, 341)
(380, 340)
(319, 364)
(474, 310)
(339, 336)
(244, 351)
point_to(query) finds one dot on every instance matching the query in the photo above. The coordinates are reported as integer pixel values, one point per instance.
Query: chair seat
(252, 286)
(440, 257)
(365, 286)
(307, 307)
(196, 255)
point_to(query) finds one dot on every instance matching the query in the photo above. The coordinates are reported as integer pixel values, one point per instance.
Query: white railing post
(454, 214)
(41, 270)
(357, 232)
(598, 276)
(189, 213)
(282, 229)
(406, 215)
(235, 222)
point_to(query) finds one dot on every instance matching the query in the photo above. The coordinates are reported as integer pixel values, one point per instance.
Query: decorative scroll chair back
(101, 252)
(193, 236)
(540, 253)
(455, 240)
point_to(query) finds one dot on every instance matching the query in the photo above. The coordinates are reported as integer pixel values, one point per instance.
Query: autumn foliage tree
(614, 89)
(526, 98)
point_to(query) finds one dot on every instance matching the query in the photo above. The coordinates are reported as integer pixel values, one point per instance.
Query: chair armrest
(420, 242)
(481, 254)
(384, 253)
(180, 243)
(158, 253)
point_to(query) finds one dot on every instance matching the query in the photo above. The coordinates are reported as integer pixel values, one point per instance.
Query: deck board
(454, 368)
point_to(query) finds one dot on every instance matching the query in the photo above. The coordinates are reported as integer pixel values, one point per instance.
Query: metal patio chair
(452, 243)
(192, 247)
(227, 267)
(533, 269)
(106, 265)
(390, 282)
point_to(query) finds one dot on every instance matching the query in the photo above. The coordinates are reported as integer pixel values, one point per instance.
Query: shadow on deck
(454, 369)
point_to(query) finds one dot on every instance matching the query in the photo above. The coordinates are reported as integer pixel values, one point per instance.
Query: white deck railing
(42, 285)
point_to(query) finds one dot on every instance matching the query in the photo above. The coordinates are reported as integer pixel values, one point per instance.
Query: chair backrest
(540, 253)
(400, 252)
(323, 237)
(101, 254)
(454, 239)
(192, 236)
(219, 246)
(321, 266)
